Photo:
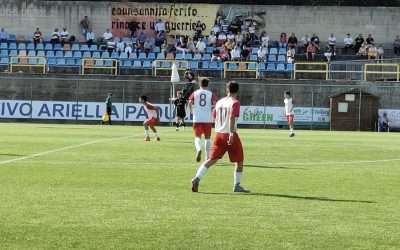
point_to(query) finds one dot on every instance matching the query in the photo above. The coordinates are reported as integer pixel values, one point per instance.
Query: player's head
(204, 82)
(189, 75)
(179, 94)
(232, 87)
(143, 98)
(110, 94)
(287, 94)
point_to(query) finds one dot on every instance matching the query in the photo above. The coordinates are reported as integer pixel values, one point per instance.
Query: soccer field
(93, 187)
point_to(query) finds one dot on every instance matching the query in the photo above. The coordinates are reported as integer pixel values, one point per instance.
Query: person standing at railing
(396, 45)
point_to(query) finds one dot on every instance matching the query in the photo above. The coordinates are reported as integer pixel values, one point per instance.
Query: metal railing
(242, 67)
(28, 62)
(316, 69)
(166, 65)
(101, 64)
(382, 70)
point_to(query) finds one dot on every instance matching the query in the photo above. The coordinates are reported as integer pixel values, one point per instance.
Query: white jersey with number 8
(203, 101)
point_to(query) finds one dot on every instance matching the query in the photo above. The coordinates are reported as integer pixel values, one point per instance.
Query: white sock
(197, 143)
(207, 145)
(201, 171)
(156, 134)
(146, 132)
(237, 176)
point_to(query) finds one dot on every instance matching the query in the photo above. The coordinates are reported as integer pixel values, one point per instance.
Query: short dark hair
(287, 93)
(143, 97)
(204, 82)
(233, 87)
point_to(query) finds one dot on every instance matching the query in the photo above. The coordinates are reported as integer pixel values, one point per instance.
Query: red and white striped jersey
(226, 108)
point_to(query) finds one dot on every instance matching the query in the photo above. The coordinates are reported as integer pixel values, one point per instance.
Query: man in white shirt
(107, 36)
(261, 54)
(90, 37)
(348, 43)
(201, 46)
(332, 44)
(120, 45)
(64, 35)
(289, 112)
(159, 26)
(235, 53)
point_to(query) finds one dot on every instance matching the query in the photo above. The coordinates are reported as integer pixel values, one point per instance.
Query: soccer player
(152, 120)
(180, 104)
(226, 113)
(289, 112)
(201, 103)
(108, 107)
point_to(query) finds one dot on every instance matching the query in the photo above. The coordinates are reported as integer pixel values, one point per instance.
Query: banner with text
(91, 111)
(179, 18)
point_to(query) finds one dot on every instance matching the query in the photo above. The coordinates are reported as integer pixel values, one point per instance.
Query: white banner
(89, 111)
(393, 116)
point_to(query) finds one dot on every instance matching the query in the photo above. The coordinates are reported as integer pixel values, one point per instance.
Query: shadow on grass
(293, 197)
(10, 154)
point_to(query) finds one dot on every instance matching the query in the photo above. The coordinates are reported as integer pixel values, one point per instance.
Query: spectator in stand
(139, 47)
(216, 28)
(64, 34)
(37, 36)
(245, 53)
(216, 55)
(252, 32)
(108, 36)
(212, 39)
(164, 47)
(372, 51)
(239, 38)
(264, 39)
(235, 53)
(315, 39)
(160, 38)
(182, 45)
(128, 49)
(201, 46)
(370, 39)
(111, 44)
(3, 35)
(221, 39)
(292, 41)
(246, 38)
(332, 44)
(235, 25)
(159, 26)
(261, 54)
(380, 51)
(55, 36)
(199, 30)
(359, 42)
(224, 54)
(191, 45)
(290, 53)
(90, 37)
(348, 43)
(229, 45)
(142, 38)
(170, 44)
(120, 45)
(328, 53)
(311, 51)
(283, 40)
(305, 40)
(363, 50)
(85, 25)
(230, 36)
(148, 45)
(396, 45)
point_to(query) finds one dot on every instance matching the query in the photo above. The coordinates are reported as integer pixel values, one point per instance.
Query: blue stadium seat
(254, 51)
(272, 58)
(161, 56)
(77, 54)
(133, 55)
(205, 64)
(84, 47)
(31, 53)
(96, 54)
(282, 51)
(93, 47)
(280, 67)
(273, 51)
(41, 53)
(108, 63)
(4, 53)
(57, 46)
(271, 67)
(12, 37)
(194, 65)
(209, 50)
(252, 66)
(32, 61)
(75, 46)
(14, 60)
(156, 50)
(21, 46)
(60, 53)
(70, 62)
(104, 55)
(48, 46)
(137, 64)
(60, 61)
(41, 61)
(232, 66)
(253, 57)
(207, 57)
(179, 56)
(114, 55)
(12, 46)
(261, 66)
(78, 61)
(126, 63)
(3, 46)
(151, 56)
(99, 62)
(4, 60)
(282, 58)
(142, 55)
(50, 53)
(189, 56)
(51, 61)
(289, 67)
(13, 52)
(166, 64)
(123, 55)
(147, 64)
(39, 46)
(30, 46)
(67, 54)
(87, 54)
(213, 65)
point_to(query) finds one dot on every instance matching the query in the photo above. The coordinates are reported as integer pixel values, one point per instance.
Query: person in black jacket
(109, 107)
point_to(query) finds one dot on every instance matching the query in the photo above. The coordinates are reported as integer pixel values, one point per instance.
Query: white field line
(332, 162)
(61, 149)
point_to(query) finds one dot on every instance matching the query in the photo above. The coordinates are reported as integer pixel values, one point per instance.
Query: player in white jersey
(227, 112)
(153, 118)
(289, 113)
(201, 103)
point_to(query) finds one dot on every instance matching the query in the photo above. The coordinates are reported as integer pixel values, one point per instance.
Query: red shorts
(290, 118)
(202, 129)
(220, 146)
(150, 122)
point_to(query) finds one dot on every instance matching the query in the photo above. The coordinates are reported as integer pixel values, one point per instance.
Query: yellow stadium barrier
(382, 69)
(167, 64)
(322, 68)
(28, 62)
(241, 67)
(100, 63)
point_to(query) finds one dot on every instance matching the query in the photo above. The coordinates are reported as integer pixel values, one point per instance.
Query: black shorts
(181, 114)
(109, 111)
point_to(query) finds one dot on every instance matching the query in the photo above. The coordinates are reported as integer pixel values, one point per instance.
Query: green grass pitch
(93, 187)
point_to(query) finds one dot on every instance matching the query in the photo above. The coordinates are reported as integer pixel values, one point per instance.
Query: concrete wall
(22, 16)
